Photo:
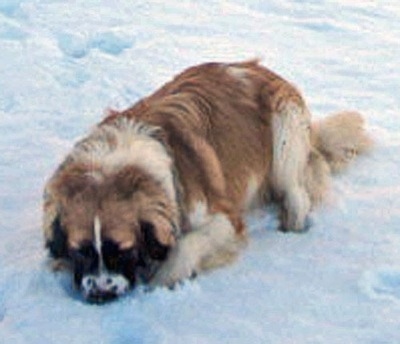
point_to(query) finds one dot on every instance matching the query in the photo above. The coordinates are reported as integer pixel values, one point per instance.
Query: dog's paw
(302, 227)
(178, 267)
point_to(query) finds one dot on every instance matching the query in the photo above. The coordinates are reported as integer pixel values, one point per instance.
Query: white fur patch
(126, 142)
(97, 242)
(239, 73)
(104, 283)
(199, 215)
(97, 235)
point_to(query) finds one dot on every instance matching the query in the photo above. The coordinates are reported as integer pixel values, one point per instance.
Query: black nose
(100, 297)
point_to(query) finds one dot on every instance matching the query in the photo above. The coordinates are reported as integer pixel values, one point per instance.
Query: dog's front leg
(215, 243)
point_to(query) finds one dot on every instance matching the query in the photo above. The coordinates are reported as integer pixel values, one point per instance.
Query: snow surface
(63, 62)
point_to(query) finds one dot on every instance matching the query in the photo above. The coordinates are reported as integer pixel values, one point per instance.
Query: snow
(63, 63)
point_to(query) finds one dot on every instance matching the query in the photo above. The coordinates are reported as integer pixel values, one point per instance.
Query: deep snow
(62, 63)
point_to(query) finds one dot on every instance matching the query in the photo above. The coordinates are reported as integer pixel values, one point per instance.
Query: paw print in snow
(111, 43)
(73, 45)
(78, 46)
(382, 283)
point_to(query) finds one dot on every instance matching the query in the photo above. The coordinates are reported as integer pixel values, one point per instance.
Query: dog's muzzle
(103, 287)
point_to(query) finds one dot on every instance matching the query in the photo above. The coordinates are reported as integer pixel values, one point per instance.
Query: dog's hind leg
(291, 152)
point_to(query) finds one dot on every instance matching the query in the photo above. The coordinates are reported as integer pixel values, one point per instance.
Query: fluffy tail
(340, 138)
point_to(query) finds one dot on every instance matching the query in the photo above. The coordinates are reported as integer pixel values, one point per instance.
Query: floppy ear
(55, 237)
(57, 245)
(68, 183)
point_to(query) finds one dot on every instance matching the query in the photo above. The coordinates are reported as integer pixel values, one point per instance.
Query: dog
(157, 193)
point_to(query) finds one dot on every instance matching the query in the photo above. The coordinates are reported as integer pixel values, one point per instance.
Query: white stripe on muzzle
(104, 282)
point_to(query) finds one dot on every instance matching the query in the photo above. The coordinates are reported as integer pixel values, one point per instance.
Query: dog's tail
(340, 138)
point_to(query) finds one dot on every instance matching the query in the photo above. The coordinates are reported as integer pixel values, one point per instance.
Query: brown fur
(116, 201)
(208, 114)
(222, 125)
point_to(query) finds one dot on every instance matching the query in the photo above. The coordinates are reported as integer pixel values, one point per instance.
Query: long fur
(340, 138)
(192, 158)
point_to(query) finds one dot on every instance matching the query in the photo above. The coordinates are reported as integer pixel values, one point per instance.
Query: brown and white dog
(157, 192)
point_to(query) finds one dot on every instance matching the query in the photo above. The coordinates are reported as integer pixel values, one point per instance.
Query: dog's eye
(109, 248)
(128, 254)
(86, 252)
(115, 258)
(85, 259)
(155, 249)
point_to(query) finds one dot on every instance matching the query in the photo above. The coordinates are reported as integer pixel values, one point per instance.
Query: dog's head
(113, 229)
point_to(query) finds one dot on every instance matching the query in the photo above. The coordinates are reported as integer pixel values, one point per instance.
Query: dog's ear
(57, 244)
(54, 235)
(50, 211)
(69, 182)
